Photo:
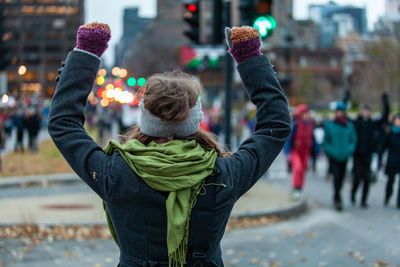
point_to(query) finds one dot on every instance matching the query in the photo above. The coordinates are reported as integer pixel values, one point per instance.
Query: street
(320, 237)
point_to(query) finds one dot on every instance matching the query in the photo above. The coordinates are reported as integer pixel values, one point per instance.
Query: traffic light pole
(228, 82)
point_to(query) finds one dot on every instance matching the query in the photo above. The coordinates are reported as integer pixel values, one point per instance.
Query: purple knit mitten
(93, 37)
(243, 42)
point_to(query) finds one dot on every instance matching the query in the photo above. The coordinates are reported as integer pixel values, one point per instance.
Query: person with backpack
(168, 188)
(339, 144)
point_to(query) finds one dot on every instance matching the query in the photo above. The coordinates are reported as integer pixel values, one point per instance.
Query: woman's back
(150, 183)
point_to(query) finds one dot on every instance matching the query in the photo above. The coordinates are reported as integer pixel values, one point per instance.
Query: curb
(38, 180)
(291, 210)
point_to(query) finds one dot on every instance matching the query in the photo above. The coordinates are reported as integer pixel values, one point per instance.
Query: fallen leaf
(255, 261)
(381, 263)
(230, 252)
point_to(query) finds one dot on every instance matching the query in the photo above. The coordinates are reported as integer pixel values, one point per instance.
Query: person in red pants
(299, 147)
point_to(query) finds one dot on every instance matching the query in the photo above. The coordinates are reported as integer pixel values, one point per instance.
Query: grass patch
(47, 160)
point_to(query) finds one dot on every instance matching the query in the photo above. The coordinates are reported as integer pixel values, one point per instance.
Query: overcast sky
(111, 12)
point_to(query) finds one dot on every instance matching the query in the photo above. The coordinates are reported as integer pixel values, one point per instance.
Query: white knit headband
(156, 127)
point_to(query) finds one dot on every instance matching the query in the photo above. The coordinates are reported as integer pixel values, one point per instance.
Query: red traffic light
(191, 7)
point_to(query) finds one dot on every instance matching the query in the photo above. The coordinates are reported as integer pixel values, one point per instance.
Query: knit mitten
(93, 37)
(243, 42)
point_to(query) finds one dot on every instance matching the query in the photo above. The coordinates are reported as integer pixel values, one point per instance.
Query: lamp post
(228, 81)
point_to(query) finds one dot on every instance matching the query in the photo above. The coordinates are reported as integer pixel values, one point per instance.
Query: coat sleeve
(66, 120)
(255, 155)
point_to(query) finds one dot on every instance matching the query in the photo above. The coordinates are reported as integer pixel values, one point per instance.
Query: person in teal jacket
(340, 141)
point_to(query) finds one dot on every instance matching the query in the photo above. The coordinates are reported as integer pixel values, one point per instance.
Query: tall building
(157, 48)
(282, 11)
(133, 25)
(39, 33)
(392, 7)
(388, 27)
(337, 21)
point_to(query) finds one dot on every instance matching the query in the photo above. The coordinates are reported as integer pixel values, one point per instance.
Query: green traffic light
(131, 81)
(141, 81)
(265, 25)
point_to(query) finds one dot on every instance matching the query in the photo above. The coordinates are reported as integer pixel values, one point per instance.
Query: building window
(333, 63)
(31, 87)
(31, 76)
(51, 76)
(303, 62)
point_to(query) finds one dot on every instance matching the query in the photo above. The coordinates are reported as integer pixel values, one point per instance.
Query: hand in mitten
(243, 42)
(93, 37)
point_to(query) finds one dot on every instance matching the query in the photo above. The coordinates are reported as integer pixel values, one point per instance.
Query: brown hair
(170, 96)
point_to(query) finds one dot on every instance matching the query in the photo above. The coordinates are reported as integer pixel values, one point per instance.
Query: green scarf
(178, 167)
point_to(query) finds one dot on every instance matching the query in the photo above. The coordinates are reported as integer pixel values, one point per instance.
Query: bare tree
(380, 73)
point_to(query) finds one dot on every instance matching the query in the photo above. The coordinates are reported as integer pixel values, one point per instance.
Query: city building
(388, 27)
(133, 25)
(282, 11)
(309, 75)
(157, 49)
(39, 34)
(305, 34)
(392, 8)
(337, 21)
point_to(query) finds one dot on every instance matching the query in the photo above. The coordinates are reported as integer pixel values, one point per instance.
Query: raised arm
(66, 117)
(273, 127)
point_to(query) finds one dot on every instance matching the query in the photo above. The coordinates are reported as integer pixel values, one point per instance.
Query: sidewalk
(79, 205)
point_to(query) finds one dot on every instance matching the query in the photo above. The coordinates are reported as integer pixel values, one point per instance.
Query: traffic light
(191, 17)
(247, 12)
(258, 13)
(264, 21)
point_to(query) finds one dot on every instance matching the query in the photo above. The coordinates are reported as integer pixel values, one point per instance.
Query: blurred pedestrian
(3, 137)
(366, 129)
(19, 124)
(300, 143)
(392, 144)
(32, 125)
(168, 188)
(104, 124)
(340, 140)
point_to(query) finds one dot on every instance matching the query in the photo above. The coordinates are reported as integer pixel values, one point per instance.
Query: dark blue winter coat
(136, 210)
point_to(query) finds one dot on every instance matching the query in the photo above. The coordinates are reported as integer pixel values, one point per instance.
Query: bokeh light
(115, 71)
(131, 81)
(104, 102)
(22, 70)
(123, 73)
(100, 92)
(100, 80)
(102, 72)
(109, 86)
(4, 99)
(141, 81)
